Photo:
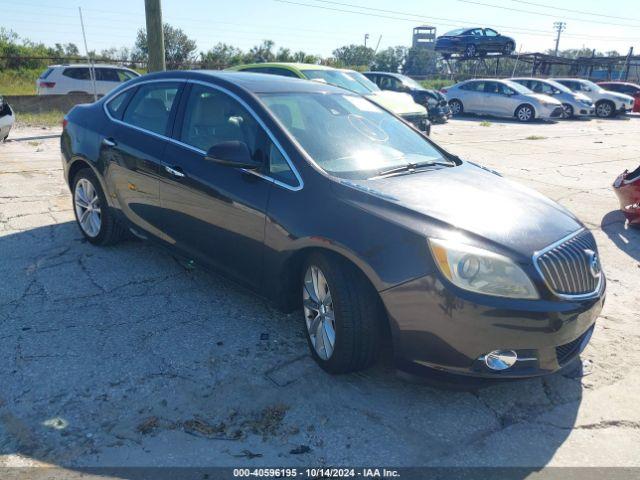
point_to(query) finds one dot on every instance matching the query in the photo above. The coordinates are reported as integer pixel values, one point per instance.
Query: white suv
(608, 104)
(63, 79)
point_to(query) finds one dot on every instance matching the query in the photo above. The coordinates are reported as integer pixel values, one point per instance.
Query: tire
(108, 231)
(456, 107)
(567, 111)
(605, 109)
(508, 48)
(525, 113)
(355, 314)
(470, 51)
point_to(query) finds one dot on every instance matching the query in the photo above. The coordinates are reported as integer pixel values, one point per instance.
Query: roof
(289, 65)
(87, 65)
(249, 81)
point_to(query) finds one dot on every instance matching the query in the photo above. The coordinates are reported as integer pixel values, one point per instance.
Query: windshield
(348, 136)
(517, 87)
(593, 86)
(360, 78)
(337, 78)
(410, 82)
(457, 31)
(559, 86)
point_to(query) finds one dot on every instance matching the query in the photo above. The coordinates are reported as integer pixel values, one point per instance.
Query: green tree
(179, 49)
(420, 61)
(390, 59)
(261, 53)
(221, 56)
(353, 56)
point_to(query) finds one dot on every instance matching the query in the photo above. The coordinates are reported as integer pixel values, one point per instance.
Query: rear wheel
(94, 216)
(456, 107)
(605, 108)
(508, 48)
(525, 113)
(342, 314)
(567, 110)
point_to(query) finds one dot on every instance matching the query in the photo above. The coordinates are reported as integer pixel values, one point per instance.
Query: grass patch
(19, 82)
(535, 137)
(485, 123)
(45, 119)
(436, 83)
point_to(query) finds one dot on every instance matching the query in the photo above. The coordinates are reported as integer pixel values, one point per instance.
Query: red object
(627, 188)
(64, 122)
(47, 84)
(627, 88)
(443, 90)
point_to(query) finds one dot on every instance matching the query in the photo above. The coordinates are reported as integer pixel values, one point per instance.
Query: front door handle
(109, 142)
(176, 172)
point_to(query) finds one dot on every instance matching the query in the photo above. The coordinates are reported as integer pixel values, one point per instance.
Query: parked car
(64, 79)
(627, 189)
(628, 88)
(573, 104)
(435, 103)
(322, 201)
(608, 104)
(6, 119)
(501, 98)
(472, 42)
(401, 105)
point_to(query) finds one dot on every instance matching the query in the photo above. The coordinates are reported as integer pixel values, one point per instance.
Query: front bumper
(549, 112)
(433, 327)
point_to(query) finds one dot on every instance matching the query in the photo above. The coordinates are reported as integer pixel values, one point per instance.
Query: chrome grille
(571, 267)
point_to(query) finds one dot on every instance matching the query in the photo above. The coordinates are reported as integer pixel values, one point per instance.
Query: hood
(581, 96)
(398, 103)
(541, 97)
(473, 199)
(620, 96)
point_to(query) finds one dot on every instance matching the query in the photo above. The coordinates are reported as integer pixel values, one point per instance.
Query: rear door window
(77, 73)
(150, 108)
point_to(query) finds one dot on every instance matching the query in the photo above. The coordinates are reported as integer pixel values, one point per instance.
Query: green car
(401, 104)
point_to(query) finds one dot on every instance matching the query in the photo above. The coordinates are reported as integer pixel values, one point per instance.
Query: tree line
(182, 52)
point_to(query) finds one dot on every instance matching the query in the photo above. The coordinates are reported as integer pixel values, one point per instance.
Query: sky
(320, 26)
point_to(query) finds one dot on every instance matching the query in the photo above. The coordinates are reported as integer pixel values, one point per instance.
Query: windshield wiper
(409, 167)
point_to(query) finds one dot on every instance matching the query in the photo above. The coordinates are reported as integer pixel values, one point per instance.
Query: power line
(582, 12)
(546, 14)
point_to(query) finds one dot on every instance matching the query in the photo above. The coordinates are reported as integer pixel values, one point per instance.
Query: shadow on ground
(122, 357)
(626, 238)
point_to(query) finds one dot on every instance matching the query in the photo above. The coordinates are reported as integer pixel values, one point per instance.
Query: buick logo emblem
(594, 263)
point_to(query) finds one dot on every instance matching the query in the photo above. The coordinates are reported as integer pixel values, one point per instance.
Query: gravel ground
(122, 356)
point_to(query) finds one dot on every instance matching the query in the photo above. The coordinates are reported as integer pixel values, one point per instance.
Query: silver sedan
(574, 104)
(501, 98)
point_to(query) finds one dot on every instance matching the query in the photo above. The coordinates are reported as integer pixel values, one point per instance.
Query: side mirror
(232, 154)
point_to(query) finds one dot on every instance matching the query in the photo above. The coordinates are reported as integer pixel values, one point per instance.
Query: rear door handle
(176, 172)
(109, 142)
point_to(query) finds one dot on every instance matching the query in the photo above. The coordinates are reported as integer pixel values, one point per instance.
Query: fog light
(500, 359)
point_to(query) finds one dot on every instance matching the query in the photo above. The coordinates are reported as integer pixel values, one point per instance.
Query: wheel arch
(81, 163)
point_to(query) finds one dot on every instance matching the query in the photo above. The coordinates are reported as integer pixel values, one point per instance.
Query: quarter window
(150, 107)
(118, 104)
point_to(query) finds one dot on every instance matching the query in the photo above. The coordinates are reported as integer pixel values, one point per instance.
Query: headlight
(481, 271)
(587, 103)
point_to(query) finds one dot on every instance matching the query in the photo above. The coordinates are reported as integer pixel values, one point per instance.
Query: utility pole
(155, 36)
(366, 37)
(560, 27)
(92, 70)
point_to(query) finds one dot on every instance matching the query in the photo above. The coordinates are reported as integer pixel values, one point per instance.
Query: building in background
(424, 36)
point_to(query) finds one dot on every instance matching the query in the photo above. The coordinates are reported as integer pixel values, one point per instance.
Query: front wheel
(605, 108)
(456, 107)
(525, 113)
(342, 314)
(567, 111)
(93, 215)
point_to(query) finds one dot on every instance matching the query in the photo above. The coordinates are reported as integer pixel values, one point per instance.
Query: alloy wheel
(567, 110)
(525, 114)
(508, 49)
(471, 51)
(456, 107)
(603, 109)
(318, 312)
(87, 205)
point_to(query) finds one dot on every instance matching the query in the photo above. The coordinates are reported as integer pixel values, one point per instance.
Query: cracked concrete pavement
(121, 356)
